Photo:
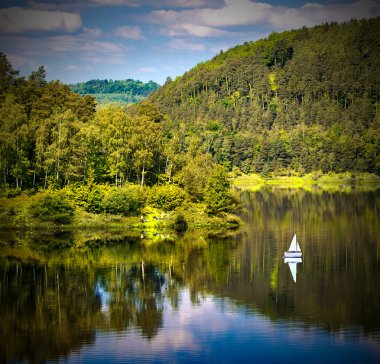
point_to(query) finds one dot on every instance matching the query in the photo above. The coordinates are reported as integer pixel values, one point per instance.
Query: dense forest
(52, 138)
(122, 91)
(296, 102)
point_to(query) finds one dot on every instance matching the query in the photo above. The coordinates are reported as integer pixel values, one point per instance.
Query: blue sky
(148, 39)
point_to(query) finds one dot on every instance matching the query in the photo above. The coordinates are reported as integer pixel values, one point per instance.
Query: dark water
(99, 298)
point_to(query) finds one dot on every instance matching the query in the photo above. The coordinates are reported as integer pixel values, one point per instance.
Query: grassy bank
(17, 213)
(316, 180)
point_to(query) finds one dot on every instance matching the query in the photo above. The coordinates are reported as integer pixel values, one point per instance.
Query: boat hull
(292, 255)
(293, 260)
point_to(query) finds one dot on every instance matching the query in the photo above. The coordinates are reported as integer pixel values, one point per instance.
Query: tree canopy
(300, 100)
(295, 102)
(122, 91)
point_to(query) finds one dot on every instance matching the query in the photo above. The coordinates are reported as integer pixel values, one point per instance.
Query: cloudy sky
(148, 39)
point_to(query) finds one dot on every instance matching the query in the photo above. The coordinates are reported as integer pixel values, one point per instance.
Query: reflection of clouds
(104, 297)
(218, 328)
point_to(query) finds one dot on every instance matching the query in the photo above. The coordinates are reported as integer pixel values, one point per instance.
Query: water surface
(77, 298)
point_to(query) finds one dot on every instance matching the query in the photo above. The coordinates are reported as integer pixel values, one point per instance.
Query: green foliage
(301, 100)
(217, 195)
(118, 91)
(95, 198)
(195, 174)
(5, 191)
(167, 197)
(180, 223)
(294, 103)
(277, 50)
(124, 200)
(52, 206)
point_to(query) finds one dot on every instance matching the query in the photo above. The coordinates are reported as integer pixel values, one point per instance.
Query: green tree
(217, 194)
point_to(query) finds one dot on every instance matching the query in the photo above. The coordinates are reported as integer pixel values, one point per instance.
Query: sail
(293, 244)
(293, 269)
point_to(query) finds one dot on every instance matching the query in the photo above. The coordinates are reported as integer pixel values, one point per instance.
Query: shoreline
(314, 181)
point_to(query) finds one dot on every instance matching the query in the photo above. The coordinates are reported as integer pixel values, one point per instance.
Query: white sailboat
(294, 250)
(292, 262)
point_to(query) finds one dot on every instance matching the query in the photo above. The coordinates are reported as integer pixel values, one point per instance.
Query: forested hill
(115, 90)
(301, 100)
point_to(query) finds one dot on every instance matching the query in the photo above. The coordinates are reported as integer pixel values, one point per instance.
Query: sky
(148, 39)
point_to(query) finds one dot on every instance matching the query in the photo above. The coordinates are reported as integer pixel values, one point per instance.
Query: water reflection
(292, 263)
(203, 296)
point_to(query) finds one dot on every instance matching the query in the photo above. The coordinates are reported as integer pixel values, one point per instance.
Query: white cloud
(181, 44)
(311, 14)
(83, 47)
(19, 61)
(132, 3)
(236, 12)
(72, 67)
(130, 32)
(147, 69)
(17, 20)
(195, 30)
(93, 32)
(74, 4)
(208, 21)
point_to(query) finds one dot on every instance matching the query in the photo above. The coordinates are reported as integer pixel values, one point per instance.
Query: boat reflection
(293, 266)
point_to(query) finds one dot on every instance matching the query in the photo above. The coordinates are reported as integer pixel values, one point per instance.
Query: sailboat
(294, 250)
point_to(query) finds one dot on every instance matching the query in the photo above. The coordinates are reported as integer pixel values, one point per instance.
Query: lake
(96, 297)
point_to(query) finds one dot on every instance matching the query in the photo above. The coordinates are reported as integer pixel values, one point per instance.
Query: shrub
(217, 195)
(167, 197)
(180, 223)
(52, 206)
(126, 200)
(78, 194)
(5, 191)
(95, 199)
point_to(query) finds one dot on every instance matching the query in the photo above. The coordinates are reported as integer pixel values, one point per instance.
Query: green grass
(316, 180)
(151, 221)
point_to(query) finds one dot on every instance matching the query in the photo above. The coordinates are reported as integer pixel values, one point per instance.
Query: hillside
(297, 101)
(122, 91)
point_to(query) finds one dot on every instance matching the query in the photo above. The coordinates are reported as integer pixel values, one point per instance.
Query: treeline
(52, 137)
(131, 87)
(296, 102)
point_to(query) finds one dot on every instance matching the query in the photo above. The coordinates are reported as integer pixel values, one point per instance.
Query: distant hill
(123, 91)
(301, 100)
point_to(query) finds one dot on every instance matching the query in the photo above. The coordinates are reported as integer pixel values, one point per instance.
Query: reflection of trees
(337, 285)
(122, 285)
(45, 313)
(135, 298)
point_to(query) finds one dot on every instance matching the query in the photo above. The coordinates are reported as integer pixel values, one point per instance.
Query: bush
(126, 200)
(52, 206)
(180, 223)
(217, 192)
(7, 192)
(167, 197)
(95, 199)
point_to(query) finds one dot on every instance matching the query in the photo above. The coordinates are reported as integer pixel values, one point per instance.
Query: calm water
(87, 297)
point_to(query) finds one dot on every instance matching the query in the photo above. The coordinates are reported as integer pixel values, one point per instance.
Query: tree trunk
(143, 173)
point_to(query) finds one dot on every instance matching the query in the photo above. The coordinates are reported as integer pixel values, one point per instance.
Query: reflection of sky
(104, 297)
(218, 331)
